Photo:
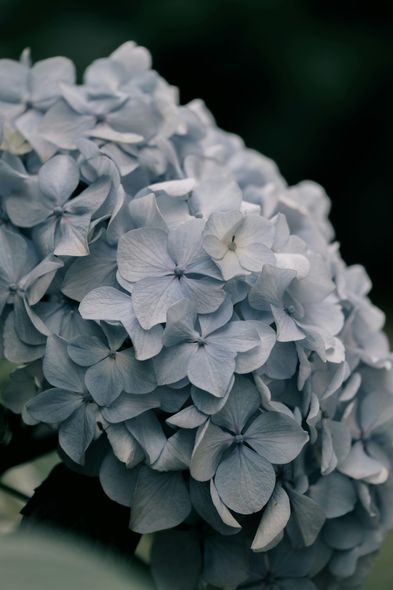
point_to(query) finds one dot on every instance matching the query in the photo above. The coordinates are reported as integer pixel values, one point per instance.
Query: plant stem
(13, 492)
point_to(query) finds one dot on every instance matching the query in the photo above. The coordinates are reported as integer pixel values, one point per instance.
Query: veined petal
(359, 465)
(86, 351)
(147, 430)
(287, 328)
(210, 507)
(71, 238)
(181, 318)
(253, 257)
(104, 381)
(153, 296)
(106, 303)
(335, 493)
(142, 254)
(255, 358)
(276, 436)
(209, 447)
(58, 368)
(185, 242)
(137, 376)
(211, 368)
(54, 405)
(77, 432)
(124, 445)
(160, 501)
(171, 365)
(59, 177)
(270, 286)
(308, 517)
(128, 406)
(207, 294)
(238, 335)
(274, 519)
(117, 481)
(174, 188)
(90, 272)
(244, 480)
(243, 402)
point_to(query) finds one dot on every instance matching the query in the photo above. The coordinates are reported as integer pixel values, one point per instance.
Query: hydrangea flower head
(183, 319)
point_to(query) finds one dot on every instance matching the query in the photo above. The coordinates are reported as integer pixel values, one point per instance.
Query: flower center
(232, 244)
(14, 288)
(239, 439)
(178, 271)
(58, 211)
(269, 581)
(86, 396)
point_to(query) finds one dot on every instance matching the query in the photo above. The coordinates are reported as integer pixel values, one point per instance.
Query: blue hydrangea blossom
(183, 319)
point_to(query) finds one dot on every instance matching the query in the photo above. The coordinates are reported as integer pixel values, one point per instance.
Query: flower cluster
(184, 320)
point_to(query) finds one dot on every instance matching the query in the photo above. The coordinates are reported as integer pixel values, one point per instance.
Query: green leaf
(39, 561)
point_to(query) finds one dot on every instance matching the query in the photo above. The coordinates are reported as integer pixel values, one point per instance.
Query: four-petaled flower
(167, 267)
(238, 446)
(203, 348)
(112, 368)
(238, 243)
(61, 224)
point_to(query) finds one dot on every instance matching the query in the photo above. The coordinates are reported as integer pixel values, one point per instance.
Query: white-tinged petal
(274, 519)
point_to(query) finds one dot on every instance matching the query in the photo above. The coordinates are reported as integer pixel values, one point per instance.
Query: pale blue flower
(68, 404)
(112, 305)
(23, 282)
(239, 439)
(24, 87)
(367, 460)
(164, 268)
(203, 348)
(112, 368)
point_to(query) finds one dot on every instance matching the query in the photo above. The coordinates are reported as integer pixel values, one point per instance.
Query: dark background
(308, 83)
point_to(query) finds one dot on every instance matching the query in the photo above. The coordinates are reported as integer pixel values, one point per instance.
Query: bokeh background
(307, 83)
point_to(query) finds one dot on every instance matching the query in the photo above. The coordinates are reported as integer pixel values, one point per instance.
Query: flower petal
(59, 177)
(54, 405)
(243, 402)
(274, 519)
(142, 254)
(210, 444)
(104, 381)
(211, 368)
(160, 501)
(117, 481)
(244, 480)
(153, 296)
(58, 368)
(276, 436)
(77, 432)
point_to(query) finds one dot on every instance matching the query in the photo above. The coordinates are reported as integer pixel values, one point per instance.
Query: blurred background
(307, 83)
